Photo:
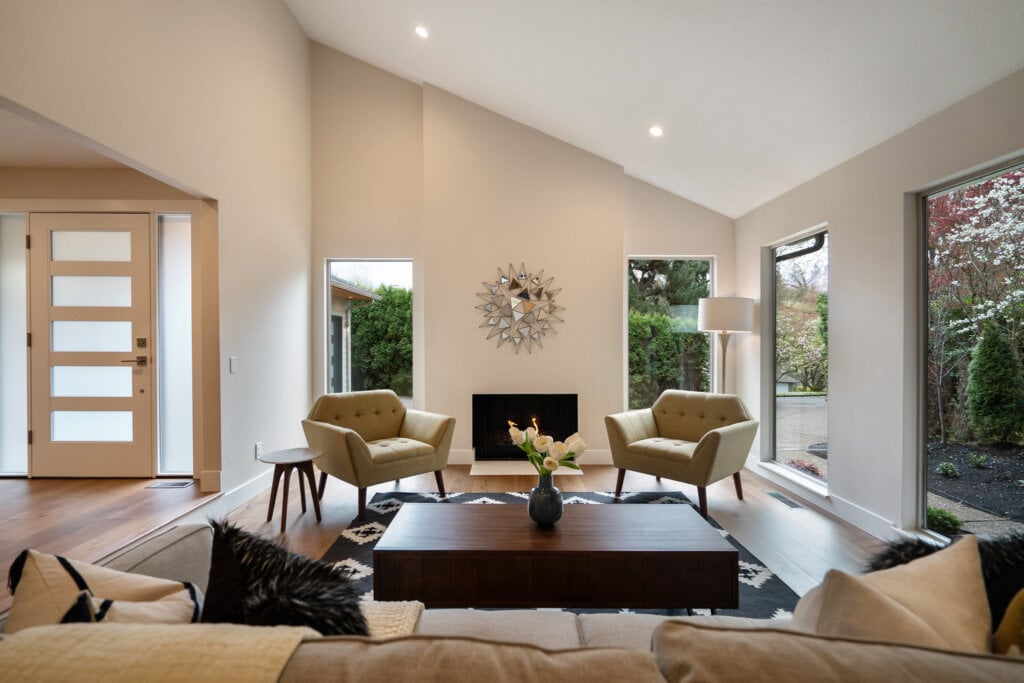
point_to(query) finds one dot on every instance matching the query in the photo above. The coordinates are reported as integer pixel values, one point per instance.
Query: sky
(370, 274)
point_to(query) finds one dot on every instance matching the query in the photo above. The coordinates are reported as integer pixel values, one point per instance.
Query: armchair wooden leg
(618, 482)
(739, 485)
(702, 495)
(323, 485)
(440, 483)
(362, 504)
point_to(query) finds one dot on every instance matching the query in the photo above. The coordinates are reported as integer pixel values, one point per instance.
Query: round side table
(300, 459)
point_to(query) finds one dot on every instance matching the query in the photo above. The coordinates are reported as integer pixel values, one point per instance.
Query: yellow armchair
(369, 437)
(689, 436)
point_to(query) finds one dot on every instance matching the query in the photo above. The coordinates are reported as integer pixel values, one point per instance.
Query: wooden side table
(284, 462)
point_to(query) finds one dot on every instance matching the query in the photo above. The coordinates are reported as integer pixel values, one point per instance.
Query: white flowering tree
(975, 274)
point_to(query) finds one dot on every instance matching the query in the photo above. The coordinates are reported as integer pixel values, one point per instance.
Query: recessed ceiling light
(656, 131)
(422, 31)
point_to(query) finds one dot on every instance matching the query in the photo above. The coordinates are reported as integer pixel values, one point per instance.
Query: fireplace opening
(556, 414)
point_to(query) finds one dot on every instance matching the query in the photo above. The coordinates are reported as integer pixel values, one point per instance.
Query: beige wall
(869, 206)
(83, 183)
(211, 96)
(409, 171)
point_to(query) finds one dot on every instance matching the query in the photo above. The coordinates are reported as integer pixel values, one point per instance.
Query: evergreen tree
(995, 387)
(382, 341)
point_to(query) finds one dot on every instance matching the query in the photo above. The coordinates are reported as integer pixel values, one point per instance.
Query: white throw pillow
(46, 587)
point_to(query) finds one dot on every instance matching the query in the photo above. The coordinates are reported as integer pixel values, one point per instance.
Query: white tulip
(558, 450)
(551, 463)
(531, 433)
(543, 443)
(517, 436)
(576, 445)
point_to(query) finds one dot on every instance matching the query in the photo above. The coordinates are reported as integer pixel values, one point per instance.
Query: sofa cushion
(46, 587)
(257, 582)
(451, 660)
(177, 608)
(553, 630)
(631, 631)
(1009, 637)
(937, 601)
(687, 651)
(181, 553)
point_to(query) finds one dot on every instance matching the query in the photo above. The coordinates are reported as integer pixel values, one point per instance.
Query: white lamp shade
(725, 314)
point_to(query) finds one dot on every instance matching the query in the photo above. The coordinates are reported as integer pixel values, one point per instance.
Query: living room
(312, 154)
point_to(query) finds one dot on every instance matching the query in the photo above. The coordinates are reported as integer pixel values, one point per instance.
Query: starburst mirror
(519, 308)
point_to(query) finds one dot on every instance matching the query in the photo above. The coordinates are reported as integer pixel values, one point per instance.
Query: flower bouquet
(546, 455)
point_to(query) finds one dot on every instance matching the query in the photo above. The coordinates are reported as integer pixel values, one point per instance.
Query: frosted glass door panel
(92, 335)
(91, 245)
(92, 290)
(91, 381)
(91, 425)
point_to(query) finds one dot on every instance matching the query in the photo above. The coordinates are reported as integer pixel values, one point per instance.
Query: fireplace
(555, 413)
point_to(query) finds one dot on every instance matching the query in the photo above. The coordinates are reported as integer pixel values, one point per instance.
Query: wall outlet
(257, 450)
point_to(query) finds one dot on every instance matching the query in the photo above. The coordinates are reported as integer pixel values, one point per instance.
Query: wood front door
(91, 345)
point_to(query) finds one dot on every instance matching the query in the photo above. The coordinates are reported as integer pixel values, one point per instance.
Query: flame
(535, 424)
(511, 423)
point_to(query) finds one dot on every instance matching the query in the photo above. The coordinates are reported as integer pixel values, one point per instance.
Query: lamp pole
(723, 341)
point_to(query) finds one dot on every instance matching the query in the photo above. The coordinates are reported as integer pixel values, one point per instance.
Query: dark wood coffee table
(597, 556)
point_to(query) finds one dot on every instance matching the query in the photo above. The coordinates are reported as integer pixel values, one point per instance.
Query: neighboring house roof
(352, 292)
(788, 378)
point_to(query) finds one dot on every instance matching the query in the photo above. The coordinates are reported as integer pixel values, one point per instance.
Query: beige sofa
(689, 436)
(515, 645)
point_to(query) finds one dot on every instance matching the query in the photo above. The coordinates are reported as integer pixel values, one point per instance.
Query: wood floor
(89, 519)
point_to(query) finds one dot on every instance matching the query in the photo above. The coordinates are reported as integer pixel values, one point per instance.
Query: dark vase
(545, 505)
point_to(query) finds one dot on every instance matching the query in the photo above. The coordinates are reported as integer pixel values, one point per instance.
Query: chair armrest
(345, 454)
(632, 425)
(723, 451)
(426, 427)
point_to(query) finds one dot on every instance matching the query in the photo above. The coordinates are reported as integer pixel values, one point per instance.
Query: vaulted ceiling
(754, 96)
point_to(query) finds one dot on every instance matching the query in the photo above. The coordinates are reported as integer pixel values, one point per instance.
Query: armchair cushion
(371, 414)
(689, 415)
(660, 447)
(390, 450)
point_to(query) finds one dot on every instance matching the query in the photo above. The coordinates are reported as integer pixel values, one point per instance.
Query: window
(665, 349)
(370, 326)
(974, 385)
(800, 367)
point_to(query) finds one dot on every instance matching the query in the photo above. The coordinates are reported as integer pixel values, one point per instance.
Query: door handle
(141, 361)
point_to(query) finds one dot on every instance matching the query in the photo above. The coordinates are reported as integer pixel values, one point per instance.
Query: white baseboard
(818, 497)
(514, 468)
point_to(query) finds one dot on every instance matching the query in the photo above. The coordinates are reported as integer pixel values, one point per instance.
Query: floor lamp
(725, 315)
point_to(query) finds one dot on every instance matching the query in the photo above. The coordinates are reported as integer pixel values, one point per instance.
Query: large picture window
(665, 349)
(974, 385)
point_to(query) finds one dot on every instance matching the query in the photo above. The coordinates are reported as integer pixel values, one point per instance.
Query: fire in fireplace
(557, 415)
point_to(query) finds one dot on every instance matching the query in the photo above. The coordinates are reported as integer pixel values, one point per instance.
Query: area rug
(762, 594)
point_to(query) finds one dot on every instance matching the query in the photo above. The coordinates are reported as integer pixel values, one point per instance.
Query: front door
(91, 346)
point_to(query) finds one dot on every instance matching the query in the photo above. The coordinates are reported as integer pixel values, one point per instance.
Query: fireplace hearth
(557, 415)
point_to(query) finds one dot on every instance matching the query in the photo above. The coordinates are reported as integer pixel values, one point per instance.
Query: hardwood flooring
(88, 519)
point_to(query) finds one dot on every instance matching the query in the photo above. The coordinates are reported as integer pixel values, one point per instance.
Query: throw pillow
(46, 587)
(1002, 564)
(255, 581)
(1009, 638)
(177, 608)
(936, 601)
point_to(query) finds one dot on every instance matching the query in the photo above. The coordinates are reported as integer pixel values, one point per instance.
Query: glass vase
(545, 505)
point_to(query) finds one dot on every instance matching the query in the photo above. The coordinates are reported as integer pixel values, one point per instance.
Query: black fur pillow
(1002, 565)
(255, 581)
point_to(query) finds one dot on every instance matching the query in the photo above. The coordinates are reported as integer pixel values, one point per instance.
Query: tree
(654, 285)
(995, 387)
(801, 333)
(382, 341)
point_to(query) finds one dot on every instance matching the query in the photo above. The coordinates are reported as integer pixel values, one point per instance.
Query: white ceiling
(755, 96)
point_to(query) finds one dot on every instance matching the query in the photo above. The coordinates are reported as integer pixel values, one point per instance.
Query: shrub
(947, 469)
(805, 466)
(382, 342)
(995, 387)
(979, 460)
(943, 521)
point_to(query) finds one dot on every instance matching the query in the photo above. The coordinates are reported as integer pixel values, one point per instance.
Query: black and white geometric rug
(762, 594)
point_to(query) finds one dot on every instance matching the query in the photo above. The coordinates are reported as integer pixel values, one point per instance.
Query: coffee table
(597, 556)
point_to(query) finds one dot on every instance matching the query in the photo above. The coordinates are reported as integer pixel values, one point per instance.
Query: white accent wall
(213, 98)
